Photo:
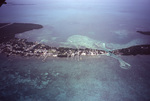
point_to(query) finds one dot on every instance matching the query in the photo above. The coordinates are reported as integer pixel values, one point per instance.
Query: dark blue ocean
(78, 23)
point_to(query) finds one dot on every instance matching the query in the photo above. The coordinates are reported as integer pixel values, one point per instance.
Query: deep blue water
(92, 78)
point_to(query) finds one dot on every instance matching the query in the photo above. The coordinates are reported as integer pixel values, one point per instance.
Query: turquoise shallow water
(90, 79)
(106, 21)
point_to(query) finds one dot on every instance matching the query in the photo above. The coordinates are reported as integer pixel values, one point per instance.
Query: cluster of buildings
(22, 47)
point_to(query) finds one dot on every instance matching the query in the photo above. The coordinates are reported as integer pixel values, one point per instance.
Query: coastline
(21, 47)
(8, 32)
(33, 49)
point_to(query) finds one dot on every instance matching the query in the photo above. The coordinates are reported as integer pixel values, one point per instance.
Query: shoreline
(8, 30)
(10, 45)
(24, 48)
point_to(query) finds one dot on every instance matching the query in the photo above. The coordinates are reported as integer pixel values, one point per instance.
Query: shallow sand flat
(90, 79)
(8, 31)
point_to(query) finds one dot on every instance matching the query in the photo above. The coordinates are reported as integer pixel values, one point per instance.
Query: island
(15, 46)
(134, 50)
(8, 30)
(144, 32)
